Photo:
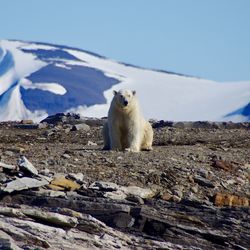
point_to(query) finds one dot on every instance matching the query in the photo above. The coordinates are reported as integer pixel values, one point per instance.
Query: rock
(166, 196)
(135, 198)
(26, 126)
(144, 193)
(203, 172)
(66, 184)
(9, 153)
(7, 243)
(7, 166)
(27, 122)
(51, 193)
(116, 195)
(178, 193)
(3, 178)
(77, 177)
(17, 229)
(176, 198)
(82, 127)
(24, 164)
(17, 150)
(65, 156)
(56, 188)
(221, 199)
(104, 186)
(51, 218)
(203, 182)
(223, 165)
(69, 118)
(162, 123)
(195, 189)
(43, 125)
(11, 212)
(45, 171)
(23, 183)
(90, 143)
(123, 220)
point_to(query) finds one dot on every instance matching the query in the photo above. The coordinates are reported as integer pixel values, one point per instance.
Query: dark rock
(203, 181)
(69, 118)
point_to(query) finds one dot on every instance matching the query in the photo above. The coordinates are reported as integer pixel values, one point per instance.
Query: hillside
(190, 192)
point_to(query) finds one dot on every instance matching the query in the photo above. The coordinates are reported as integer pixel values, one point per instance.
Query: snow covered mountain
(37, 80)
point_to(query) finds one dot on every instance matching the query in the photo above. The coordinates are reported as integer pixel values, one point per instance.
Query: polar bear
(126, 129)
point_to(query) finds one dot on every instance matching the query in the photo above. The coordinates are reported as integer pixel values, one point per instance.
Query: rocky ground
(190, 192)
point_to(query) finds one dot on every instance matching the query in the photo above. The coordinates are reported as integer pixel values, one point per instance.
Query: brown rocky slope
(190, 192)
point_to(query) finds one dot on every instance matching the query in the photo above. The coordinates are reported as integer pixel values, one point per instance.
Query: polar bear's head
(124, 98)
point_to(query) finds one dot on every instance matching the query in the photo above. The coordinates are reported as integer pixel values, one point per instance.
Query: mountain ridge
(56, 78)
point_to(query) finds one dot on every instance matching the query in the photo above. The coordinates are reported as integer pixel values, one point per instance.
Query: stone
(26, 126)
(116, 195)
(64, 183)
(27, 122)
(14, 227)
(203, 182)
(9, 153)
(90, 143)
(7, 243)
(51, 218)
(176, 198)
(45, 171)
(178, 193)
(11, 212)
(166, 196)
(77, 177)
(23, 183)
(65, 156)
(195, 189)
(25, 164)
(144, 193)
(104, 186)
(42, 125)
(80, 127)
(223, 165)
(7, 166)
(135, 198)
(221, 199)
(3, 178)
(17, 150)
(123, 220)
(203, 172)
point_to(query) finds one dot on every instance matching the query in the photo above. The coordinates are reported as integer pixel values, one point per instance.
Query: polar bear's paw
(147, 148)
(134, 150)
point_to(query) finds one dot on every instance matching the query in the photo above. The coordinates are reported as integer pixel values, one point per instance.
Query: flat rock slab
(64, 184)
(6, 242)
(25, 164)
(51, 218)
(23, 183)
(7, 166)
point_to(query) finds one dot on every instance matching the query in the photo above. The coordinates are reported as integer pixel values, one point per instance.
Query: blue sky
(204, 38)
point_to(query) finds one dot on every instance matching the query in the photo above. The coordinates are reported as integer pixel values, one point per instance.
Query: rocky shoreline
(59, 190)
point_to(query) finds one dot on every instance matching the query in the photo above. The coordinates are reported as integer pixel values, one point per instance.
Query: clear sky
(204, 38)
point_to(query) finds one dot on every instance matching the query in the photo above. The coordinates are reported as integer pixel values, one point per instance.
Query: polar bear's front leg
(115, 138)
(134, 139)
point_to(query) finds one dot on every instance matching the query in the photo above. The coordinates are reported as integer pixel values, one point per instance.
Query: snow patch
(52, 87)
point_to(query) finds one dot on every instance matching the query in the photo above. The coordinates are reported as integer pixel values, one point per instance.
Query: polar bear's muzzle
(125, 103)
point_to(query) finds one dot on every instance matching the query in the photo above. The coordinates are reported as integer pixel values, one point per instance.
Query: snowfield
(39, 79)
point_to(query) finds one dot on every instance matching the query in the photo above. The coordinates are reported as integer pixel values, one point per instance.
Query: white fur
(126, 129)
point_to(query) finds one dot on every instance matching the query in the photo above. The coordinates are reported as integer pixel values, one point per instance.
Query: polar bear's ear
(114, 92)
(134, 92)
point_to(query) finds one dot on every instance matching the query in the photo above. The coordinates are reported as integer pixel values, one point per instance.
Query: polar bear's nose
(125, 103)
